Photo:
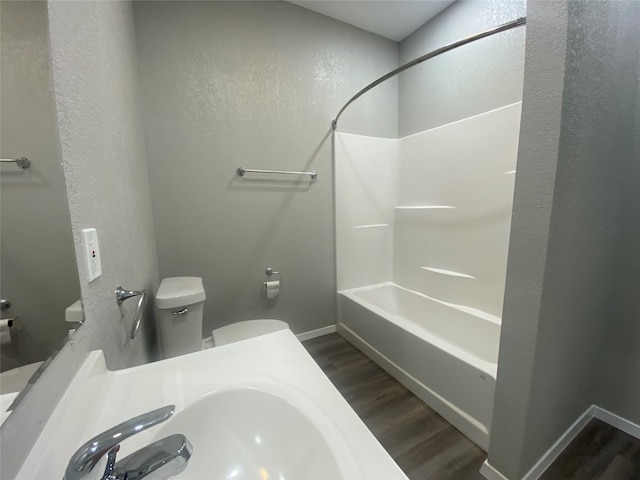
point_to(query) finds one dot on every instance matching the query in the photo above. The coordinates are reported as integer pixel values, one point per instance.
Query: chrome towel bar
(21, 162)
(122, 295)
(241, 171)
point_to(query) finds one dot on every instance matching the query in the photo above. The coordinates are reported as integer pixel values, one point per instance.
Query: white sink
(257, 409)
(251, 434)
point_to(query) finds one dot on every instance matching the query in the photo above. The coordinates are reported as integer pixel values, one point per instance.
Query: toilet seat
(245, 330)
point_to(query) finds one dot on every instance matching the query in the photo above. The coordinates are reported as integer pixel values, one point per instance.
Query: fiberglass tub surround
(422, 232)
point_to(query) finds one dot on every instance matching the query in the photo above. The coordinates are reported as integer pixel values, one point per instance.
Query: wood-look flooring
(423, 444)
(599, 452)
(426, 446)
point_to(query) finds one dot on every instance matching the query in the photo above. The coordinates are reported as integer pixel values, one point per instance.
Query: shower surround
(422, 234)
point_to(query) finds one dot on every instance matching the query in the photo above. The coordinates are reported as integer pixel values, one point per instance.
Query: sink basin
(251, 434)
(259, 409)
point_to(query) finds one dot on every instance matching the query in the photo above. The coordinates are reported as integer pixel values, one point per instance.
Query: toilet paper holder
(272, 286)
(269, 272)
(9, 321)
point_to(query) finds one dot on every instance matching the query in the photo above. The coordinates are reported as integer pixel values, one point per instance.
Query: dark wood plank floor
(599, 452)
(422, 443)
(426, 446)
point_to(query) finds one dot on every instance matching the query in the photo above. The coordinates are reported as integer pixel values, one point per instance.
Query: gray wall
(619, 390)
(253, 84)
(576, 149)
(96, 89)
(470, 80)
(38, 266)
(96, 83)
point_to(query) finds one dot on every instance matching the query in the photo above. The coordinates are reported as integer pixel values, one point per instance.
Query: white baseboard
(617, 421)
(490, 473)
(316, 333)
(556, 449)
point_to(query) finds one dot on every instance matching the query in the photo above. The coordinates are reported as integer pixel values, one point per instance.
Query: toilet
(180, 302)
(247, 329)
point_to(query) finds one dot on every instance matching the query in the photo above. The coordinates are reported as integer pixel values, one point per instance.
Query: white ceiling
(393, 19)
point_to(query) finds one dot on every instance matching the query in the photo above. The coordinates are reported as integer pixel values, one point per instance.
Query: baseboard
(316, 333)
(622, 424)
(490, 473)
(617, 421)
(556, 449)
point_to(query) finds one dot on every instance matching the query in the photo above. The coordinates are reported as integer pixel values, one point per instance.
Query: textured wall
(619, 390)
(96, 83)
(530, 226)
(562, 300)
(253, 84)
(595, 149)
(467, 81)
(38, 266)
(95, 78)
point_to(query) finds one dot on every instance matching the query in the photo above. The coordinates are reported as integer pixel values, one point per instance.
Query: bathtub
(444, 353)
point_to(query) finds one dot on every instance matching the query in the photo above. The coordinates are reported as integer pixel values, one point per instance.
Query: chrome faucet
(164, 458)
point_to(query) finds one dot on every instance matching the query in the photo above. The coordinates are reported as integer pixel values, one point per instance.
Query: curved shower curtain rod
(487, 33)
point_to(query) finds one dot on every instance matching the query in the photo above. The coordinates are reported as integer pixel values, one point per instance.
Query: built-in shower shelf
(450, 273)
(373, 225)
(426, 207)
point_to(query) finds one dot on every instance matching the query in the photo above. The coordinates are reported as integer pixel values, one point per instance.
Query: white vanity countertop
(98, 399)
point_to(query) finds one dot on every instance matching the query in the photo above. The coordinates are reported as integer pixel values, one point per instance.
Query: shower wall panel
(365, 169)
(453, 211)
(430, 212)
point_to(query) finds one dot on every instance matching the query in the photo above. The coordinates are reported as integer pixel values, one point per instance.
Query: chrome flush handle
(184, 311)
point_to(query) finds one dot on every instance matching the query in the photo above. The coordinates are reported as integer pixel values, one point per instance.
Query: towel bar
(241, 171)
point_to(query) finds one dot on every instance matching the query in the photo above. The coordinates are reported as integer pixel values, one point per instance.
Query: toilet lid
(247, 329)
(179, 291)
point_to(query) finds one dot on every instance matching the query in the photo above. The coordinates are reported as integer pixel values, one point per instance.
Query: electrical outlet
(91, 253)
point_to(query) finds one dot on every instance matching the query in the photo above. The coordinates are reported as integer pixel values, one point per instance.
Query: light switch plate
(91, 253)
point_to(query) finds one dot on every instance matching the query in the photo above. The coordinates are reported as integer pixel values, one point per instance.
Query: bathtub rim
(489, 368)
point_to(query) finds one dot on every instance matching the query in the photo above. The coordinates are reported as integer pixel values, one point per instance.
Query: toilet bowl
(180, 303)
(238, 331)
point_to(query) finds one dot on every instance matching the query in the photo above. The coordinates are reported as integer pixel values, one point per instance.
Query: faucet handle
(164, 458)
(106, 443)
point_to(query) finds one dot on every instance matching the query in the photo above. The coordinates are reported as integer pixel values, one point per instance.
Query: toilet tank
(180, 302)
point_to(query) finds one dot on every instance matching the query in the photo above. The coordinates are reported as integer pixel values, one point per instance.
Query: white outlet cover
(91, 253)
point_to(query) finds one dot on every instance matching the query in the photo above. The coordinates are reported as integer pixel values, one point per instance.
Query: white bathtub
(446, 354)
